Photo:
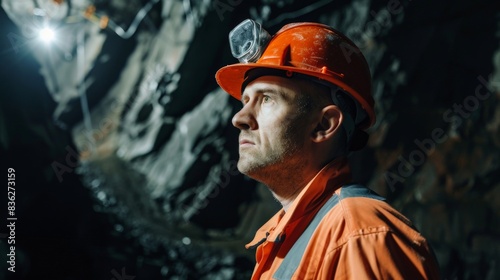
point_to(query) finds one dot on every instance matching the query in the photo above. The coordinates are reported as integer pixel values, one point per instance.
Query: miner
(306, 104)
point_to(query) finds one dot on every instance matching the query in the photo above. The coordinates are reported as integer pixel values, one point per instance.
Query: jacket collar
(334, 175)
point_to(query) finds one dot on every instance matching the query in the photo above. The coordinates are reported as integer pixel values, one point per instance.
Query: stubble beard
(257, 164)
(278, 166)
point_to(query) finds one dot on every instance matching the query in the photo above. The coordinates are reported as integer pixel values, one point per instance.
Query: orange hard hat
(316, 51)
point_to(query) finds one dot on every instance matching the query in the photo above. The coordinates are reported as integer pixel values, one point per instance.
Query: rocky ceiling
(124, 152)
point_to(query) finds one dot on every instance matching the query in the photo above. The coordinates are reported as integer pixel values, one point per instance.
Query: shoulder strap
(294, 256)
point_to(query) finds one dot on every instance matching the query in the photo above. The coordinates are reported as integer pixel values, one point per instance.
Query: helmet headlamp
(248, 40)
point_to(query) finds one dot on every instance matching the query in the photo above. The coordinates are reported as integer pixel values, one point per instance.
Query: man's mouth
(245, 142)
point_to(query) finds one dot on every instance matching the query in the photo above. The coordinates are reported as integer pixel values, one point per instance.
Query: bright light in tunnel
(47, 34)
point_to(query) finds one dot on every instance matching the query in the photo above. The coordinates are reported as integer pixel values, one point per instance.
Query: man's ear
(329, 123)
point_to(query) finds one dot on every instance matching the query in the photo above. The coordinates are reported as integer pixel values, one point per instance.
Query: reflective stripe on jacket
(334, 232)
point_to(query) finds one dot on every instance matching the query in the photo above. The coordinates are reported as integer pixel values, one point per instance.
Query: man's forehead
(273, 84)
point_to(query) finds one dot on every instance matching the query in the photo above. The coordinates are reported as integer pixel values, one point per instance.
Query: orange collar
(334, 175)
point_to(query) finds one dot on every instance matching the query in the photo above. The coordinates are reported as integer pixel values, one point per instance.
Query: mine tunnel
(119, 155)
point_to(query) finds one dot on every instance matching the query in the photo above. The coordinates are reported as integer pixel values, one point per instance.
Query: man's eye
(266, 99)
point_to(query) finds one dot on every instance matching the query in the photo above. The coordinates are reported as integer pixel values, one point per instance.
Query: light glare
(47, 34)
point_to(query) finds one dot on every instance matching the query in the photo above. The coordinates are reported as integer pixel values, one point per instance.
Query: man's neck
(285, 202)
(288, 185)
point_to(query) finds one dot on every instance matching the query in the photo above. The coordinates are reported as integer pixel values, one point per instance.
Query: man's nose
(244, 119)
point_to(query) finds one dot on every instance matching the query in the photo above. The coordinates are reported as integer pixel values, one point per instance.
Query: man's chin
(242, 168)
(248, 168)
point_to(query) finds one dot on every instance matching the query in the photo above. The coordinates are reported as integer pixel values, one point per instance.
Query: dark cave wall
(156, 191)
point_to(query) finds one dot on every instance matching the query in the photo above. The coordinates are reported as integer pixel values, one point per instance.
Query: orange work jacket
(338, 231)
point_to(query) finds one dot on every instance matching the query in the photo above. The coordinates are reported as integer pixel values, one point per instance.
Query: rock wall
(156, 150)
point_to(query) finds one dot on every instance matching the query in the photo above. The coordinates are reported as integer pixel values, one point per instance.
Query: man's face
(274, 127)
